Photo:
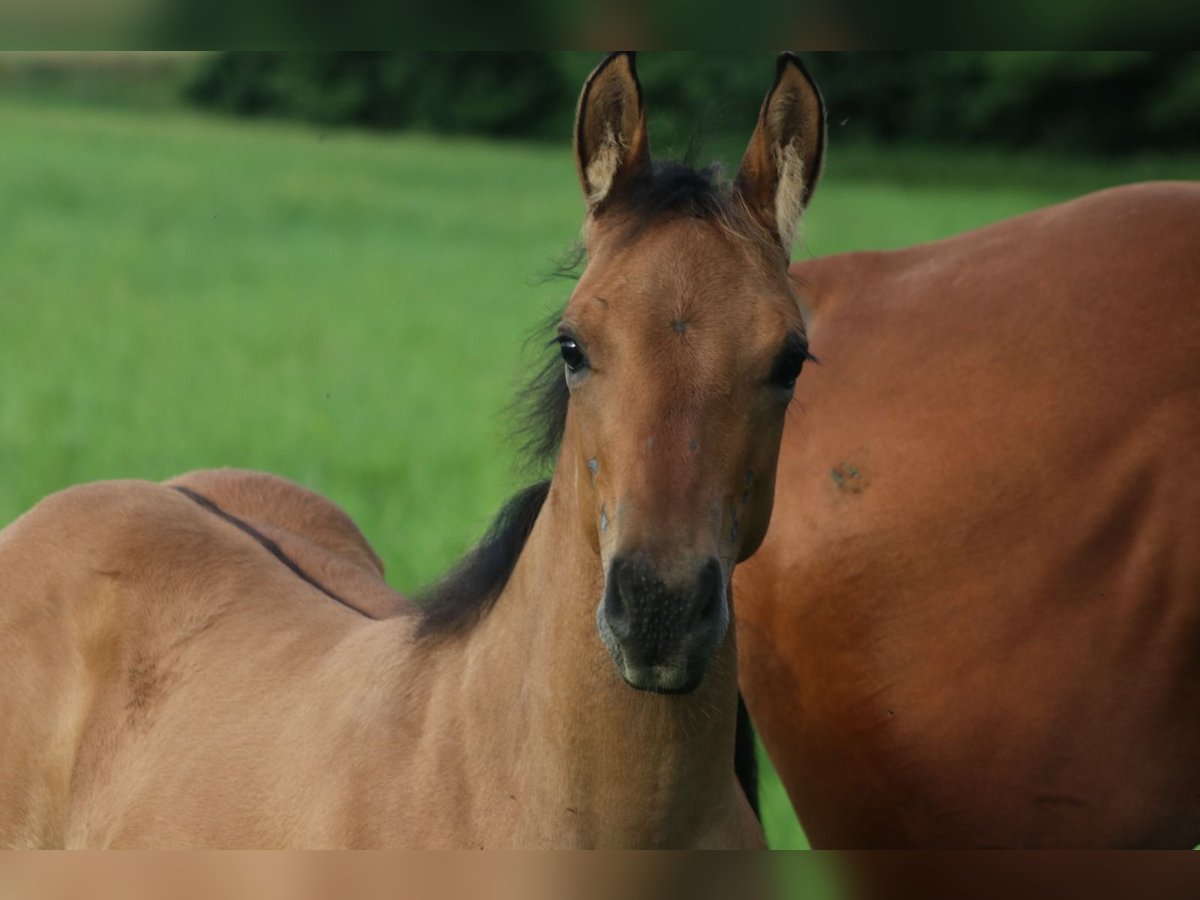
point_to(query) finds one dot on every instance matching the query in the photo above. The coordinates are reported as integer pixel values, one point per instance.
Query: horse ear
(783, 161)
(611, 144)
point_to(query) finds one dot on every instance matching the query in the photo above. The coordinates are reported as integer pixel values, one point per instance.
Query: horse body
(976, 617)
(216, 662)
(191, 691)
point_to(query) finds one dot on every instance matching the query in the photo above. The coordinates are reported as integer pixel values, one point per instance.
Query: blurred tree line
(1098, 102)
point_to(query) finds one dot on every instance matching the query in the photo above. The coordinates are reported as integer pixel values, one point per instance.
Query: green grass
(344, 309)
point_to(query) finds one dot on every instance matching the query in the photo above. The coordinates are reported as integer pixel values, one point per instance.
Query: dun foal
(216, 661)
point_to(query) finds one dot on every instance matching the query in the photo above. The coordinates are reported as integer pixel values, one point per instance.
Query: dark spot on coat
(679, 326)
(849, 479)
(146, 683)
(143, 681)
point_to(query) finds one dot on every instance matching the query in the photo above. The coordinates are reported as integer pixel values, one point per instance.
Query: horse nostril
(712, 592)
(616, 607)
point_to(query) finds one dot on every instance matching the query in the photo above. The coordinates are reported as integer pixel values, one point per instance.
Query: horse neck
(625, 767)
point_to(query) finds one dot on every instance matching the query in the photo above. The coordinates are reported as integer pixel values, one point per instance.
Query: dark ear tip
(788, 58)
(630, 57)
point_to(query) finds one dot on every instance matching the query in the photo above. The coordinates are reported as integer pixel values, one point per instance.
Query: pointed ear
(783, 162)
(611, 144)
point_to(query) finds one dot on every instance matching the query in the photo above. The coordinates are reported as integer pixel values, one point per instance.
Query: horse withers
(975, 620)
(216, 661)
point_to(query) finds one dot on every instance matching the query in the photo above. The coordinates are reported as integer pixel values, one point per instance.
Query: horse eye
(571, 354)
(787, 369)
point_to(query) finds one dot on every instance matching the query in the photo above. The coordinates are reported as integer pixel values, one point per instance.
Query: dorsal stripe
(267, 544)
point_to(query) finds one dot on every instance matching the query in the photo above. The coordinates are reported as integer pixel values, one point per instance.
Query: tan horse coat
(173, 685)
(218, 662)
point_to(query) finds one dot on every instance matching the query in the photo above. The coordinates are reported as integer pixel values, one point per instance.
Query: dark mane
(467, 592)
(670, 188)
(472, 586)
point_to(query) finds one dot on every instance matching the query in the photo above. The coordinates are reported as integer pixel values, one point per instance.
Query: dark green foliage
(496, 94)
(1100, 102)
(1094, 102)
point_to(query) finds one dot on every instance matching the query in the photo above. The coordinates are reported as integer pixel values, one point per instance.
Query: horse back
(310, 530)
(126, 605)
(976, 616)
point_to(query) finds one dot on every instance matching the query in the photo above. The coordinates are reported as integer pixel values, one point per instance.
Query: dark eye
(789, 362)
(571, 354)
(787, 370)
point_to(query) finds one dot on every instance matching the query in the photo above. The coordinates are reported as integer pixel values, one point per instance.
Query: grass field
(347, 310)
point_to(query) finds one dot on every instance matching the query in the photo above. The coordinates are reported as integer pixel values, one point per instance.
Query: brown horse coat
(975, 619)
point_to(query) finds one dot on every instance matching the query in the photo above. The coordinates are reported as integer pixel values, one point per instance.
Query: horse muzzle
(662, 634)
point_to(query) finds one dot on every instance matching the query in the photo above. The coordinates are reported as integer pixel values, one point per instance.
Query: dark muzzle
(662, 635)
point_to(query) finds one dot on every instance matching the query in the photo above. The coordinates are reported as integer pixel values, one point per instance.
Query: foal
(200, 664)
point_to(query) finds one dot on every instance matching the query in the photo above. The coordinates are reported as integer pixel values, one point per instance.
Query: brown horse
(217, 661)
(976, 617)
